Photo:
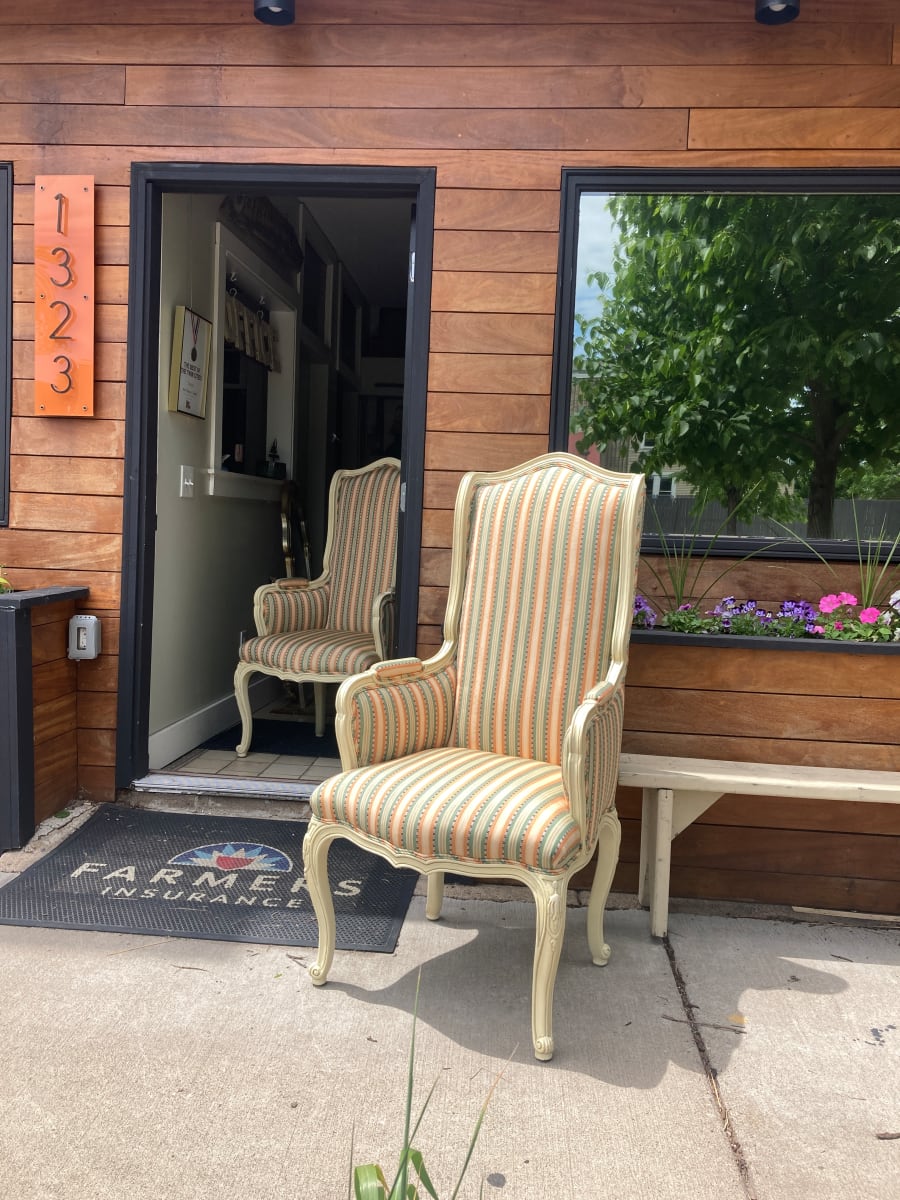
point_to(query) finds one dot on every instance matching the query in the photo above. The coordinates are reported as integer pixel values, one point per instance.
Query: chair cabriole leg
(242, 695)
(316, 844)
(435, 895)
(549, 893)
(608, 840)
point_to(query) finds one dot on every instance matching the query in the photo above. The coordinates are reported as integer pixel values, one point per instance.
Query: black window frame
(576, 182)
(6, 208)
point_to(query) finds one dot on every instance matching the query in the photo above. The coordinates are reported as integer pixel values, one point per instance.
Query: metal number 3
(65, 264)
(65, 373)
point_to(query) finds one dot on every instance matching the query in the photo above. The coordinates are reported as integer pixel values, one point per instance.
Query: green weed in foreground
(370, 1183)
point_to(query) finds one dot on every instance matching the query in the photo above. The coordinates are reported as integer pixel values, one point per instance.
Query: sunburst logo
(234, 856)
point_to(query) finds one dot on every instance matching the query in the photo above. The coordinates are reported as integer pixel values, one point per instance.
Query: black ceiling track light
(274, 12)
(777, 12)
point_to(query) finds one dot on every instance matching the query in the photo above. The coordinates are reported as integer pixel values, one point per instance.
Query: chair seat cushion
(460, 805)
(315, 652)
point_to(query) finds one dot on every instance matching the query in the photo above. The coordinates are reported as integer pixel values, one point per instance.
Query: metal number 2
(55, 333)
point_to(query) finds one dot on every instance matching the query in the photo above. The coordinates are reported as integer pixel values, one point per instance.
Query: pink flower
(846, 598)
(839, 624)
(829, 603)
(818, 629)
(869, 616)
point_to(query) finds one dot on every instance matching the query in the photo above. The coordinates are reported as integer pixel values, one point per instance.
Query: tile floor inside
(257, 766)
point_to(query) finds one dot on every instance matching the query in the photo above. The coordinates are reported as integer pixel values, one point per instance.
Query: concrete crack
(709, 1070)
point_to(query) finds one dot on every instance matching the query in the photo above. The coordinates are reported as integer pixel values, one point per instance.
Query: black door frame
(149, 182)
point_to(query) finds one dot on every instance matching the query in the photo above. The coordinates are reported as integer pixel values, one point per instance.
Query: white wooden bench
(678, 790)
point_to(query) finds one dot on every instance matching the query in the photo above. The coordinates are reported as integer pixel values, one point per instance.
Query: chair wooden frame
(315, 595)
(597, 715)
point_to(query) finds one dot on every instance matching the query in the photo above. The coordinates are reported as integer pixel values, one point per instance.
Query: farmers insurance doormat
(231, 879)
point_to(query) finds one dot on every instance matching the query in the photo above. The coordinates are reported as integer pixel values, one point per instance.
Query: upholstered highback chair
(499, 755)
(335, 626)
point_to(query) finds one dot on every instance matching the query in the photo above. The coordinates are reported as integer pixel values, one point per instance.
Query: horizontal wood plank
(662, 86)
(494, 168)
(801, 751)
(53, 679)
(473, 412)
(440, 490)
(96, 710)
(103, 551)
(840, 893)
(110, 322)
(479, 373)
(111, 284)
(490, 333)
(840, 128)
(487, 208)
(31, 83)
(810, 673)
(98, 674)
(165, 126)
(109, 364)
(67, 475)
(97, 784)
(50, 639)
(94, 514)
(110, 247)
(53, 719)
(743, 714)
(434, 567)
(105, 586)
(170, 13)
(89, 438)
(109, 400)
(493, 292)
(96, 747)
(466, 250)
(476, 452)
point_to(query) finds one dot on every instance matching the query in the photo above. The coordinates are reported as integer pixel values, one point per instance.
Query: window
(6, 180)
(736, 336)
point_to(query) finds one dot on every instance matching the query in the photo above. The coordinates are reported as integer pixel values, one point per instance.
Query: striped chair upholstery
(336, 626)
(499, 755)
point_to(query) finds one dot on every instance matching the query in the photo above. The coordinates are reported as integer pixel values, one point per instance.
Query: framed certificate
(190, 363)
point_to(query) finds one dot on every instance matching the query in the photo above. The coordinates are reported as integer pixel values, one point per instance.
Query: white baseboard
(181, 736)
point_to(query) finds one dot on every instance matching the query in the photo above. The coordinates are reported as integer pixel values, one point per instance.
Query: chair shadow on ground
(623, 1024)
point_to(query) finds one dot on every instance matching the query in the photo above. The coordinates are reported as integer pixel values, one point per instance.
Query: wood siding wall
(499, 97)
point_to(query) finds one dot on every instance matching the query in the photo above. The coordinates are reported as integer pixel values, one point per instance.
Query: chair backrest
(361, 546)
(541, 598)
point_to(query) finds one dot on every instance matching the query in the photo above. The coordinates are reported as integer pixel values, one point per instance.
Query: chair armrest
(394, 709)
(290, 605)
(384, 615)
(590, 759)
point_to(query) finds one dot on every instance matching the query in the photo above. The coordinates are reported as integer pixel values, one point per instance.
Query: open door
(344, 383)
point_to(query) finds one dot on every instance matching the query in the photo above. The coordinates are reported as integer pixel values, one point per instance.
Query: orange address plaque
(64, 295)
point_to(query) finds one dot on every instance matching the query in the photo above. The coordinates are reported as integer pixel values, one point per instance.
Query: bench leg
(659, 898)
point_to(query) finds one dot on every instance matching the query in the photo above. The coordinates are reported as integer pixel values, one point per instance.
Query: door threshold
(218, 785)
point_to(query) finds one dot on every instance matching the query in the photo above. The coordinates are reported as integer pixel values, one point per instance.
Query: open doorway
(333, 376)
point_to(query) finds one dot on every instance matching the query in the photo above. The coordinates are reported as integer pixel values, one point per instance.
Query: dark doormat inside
(279, 737)
(231, 879)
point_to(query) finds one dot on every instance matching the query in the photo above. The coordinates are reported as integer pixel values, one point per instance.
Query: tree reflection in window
(749, 345)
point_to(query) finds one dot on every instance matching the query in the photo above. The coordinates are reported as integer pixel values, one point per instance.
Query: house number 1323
(64, 295)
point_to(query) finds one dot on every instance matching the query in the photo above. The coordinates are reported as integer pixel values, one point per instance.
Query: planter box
(782, 701)
(764, 699)
(38, 746)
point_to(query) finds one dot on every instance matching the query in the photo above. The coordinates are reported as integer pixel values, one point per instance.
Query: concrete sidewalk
(742, 1057)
